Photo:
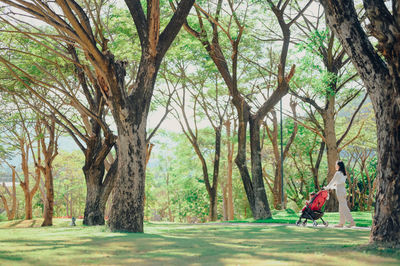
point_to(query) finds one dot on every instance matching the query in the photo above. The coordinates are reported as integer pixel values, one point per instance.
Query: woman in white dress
(338, 183)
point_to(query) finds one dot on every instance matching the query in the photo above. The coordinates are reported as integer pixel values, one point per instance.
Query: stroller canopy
(319, 200)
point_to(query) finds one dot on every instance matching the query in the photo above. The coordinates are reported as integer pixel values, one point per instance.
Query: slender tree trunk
(315, 169)
(332, 205)
(67, 212)
(25, 184)
(49, 201)
(171, 218)
(240, 159)
(214, 188)
(231, 148)
(224, 201)
(28, 206)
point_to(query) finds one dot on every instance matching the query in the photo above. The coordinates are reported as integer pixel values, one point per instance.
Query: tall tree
(50, 88)
(20, 124)
(228, 184)
(275, 184)
(253, 184)
(129, 106)
(48, 130)
(208, 101)
(379, 69)
(330, 91)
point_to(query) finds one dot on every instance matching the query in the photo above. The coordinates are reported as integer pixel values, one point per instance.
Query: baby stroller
(313, 209)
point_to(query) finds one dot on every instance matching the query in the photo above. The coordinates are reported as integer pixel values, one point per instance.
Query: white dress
(338, 183)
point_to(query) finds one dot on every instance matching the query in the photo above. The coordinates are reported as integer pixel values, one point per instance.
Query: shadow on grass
(193, 244)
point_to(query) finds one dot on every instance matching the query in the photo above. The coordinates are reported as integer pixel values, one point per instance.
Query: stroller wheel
(304, 223)
(315, 223)
(298, 223)
(326, 224)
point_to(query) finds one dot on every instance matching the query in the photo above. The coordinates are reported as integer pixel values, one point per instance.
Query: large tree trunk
(127, 212)
(386, 223)
(128, 196)
(260, 207)
(94, 210)
(130, 109)
(382, 81)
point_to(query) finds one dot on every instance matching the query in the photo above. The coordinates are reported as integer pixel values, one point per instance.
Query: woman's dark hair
(341, 167)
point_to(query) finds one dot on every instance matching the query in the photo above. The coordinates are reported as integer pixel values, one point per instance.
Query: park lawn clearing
(186, 244)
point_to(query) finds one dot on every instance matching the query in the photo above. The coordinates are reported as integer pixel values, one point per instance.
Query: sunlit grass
(362, 219)
(182, 244)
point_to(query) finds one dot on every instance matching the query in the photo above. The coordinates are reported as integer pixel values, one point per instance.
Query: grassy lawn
(362, 219)
(24, 243)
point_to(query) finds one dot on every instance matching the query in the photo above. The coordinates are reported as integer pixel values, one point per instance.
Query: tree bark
(49, 200)
(127, 211)
(231, 148)
(28, 193)
(130, 110)
(260, 207)
(332, 205)
(94, 206)
(382, 81)
(254, 186)
(214, 188)
(98, 183)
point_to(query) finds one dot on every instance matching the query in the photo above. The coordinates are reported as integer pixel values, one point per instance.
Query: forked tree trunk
(50, 151)
(98, 146)
(10, 212)
(25, 185)
(382, 81)
(97, 191)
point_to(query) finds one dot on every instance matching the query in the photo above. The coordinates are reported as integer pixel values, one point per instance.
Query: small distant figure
(73, 221)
